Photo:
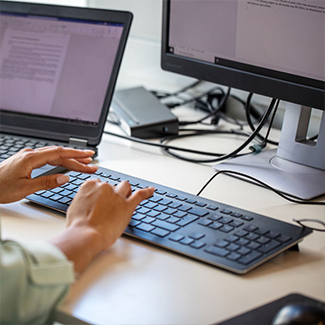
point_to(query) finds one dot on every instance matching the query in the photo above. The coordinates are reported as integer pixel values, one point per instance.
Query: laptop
(58, 70)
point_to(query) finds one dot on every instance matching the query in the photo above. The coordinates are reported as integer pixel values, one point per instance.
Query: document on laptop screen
(30, 68)
(56, 67)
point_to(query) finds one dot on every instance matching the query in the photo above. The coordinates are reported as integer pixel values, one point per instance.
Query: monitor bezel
(266, 82)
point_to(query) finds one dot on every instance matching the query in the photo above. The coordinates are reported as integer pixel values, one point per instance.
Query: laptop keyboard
(202, 229)
(9, 145)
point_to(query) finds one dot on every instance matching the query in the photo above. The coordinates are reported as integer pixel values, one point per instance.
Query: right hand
(105, 209)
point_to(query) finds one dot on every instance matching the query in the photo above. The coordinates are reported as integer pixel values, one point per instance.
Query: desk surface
(134, 283)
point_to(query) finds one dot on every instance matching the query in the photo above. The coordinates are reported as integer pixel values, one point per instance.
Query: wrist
(80, 245)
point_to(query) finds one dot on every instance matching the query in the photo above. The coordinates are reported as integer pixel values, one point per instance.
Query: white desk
(134, 283)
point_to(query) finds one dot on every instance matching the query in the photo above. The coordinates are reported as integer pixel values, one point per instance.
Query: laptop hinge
(78, 142)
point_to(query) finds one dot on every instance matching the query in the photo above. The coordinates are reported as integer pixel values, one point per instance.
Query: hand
(97, 217)
(15, 172)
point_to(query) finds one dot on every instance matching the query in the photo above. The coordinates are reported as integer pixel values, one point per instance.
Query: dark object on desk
(212, 232)
(299, 314)
(269, 313)
(141, 115)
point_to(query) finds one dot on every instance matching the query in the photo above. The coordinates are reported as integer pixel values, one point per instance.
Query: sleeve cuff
(47, 264)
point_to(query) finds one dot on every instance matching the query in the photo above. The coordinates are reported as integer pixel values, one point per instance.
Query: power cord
(287, 197)
(256, 148)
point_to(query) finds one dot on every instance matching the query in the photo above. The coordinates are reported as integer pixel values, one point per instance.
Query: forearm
(80, 245)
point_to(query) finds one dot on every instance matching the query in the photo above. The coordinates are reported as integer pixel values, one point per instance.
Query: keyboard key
(160, 208)
(226, 228)
(242, 241)
(198, 244)
(273, 234)
(134, 223)
(186, 220)
(175, 205)
(236, 224)
(180, 214)
(249, 258)
(261, 231)
(162, 216)
(160, 232)
(205, 222)
(170, 211)
(149, 205)
(225, 220)
(165, 225)
(243, 251)
(197, 235)
(233, 256)
(65, 200)
(284, 239)
(250, 228)
(263, 240)
(217, 251)
(148, 220)
(233, 247)
(138, 216)
(269, 247)
(198, 212)
(56, 197)
(221, 243)
(173, 219)
(165, 201)
(180, 198)
(175, 237)
(200, 204)
(47, 194)
(143, 210)
(226, 211)
(186, 241)
(253, 245)
(153, 214)
(145, 227)
(215, 225)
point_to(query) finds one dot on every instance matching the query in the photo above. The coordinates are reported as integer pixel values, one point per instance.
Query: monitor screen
(56, 67)
(274, 48)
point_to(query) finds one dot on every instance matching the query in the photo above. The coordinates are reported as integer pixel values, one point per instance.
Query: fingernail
(62, 179)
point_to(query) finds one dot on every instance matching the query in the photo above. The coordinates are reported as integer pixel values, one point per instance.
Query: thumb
(48, 182)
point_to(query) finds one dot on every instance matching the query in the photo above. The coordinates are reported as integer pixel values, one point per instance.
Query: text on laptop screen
(56, 67)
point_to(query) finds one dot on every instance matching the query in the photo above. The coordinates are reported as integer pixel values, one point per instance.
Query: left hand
(15, 172)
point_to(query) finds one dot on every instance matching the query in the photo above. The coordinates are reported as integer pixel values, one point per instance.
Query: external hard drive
(141, 115)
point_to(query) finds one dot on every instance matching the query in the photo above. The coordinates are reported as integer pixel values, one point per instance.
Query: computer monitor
(274, 48)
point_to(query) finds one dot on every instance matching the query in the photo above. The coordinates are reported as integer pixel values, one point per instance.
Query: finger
(45, 183)
(124, 188)
(140, 195)
(42, 156)
(72, 164)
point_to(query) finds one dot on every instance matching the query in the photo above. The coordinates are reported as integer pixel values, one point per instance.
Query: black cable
(193, 99)
(212, 113)
(163, 146)
(233, 153)
(288, 197)
(250, 123)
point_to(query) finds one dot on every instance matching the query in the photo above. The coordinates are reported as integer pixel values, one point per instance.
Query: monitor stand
(297, 167)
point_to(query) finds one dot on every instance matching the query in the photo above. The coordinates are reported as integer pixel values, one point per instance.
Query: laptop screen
(56, 67)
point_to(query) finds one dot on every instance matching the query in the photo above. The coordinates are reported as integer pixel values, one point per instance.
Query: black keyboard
(202, 229)
(9, 145)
